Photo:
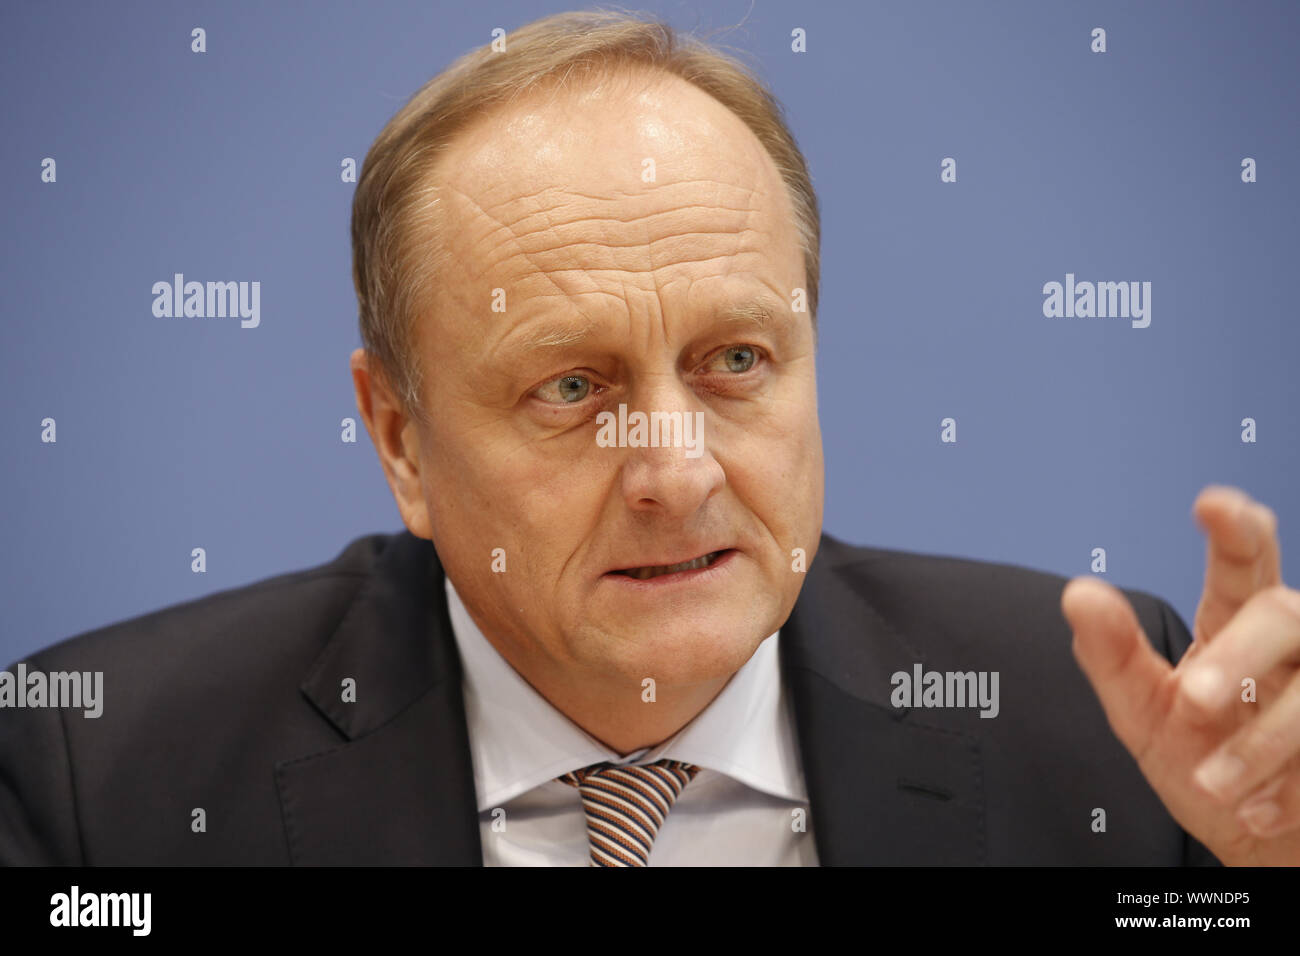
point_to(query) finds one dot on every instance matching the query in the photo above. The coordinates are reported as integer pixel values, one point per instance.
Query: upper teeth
(701, 562)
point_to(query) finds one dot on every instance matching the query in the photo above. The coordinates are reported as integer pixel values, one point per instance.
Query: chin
(677, 652)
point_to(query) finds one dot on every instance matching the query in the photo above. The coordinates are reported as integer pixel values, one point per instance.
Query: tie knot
(626, 806)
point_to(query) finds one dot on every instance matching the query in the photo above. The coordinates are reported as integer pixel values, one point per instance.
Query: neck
(625, 726)
(624, 714)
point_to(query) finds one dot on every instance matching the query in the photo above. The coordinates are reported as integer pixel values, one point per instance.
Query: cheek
(776, 469)
(500, 494)
(557, 508)
(469, 509)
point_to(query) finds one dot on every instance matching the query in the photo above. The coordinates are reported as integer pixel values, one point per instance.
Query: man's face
(617, 285)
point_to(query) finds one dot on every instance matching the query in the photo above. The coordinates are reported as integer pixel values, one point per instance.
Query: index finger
(1242, 555)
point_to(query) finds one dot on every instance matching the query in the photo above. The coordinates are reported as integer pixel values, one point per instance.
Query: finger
(1257, 753)
(1275, 810)
(1264, 634)
(1242, 554)
(1114, 653)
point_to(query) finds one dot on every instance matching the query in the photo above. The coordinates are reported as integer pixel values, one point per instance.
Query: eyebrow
(549, 337)
(756, 312)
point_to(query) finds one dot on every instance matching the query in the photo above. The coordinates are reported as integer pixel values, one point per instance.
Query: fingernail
(1219, 773)
(1204, 685)
(1260, 815)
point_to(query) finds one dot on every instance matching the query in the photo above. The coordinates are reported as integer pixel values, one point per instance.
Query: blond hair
(396, 255)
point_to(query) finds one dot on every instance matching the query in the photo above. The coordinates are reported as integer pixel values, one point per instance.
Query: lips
(653, 571)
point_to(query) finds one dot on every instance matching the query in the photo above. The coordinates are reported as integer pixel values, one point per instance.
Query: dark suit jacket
(232, 703)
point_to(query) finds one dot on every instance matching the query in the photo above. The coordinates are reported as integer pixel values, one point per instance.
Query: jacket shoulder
(193, 704)
(942, 591)
(280, 610)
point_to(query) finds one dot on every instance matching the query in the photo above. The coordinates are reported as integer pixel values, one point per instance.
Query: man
(613, 631)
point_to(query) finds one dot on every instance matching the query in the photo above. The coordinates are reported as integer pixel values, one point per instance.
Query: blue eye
(567, 388)
(739, 358)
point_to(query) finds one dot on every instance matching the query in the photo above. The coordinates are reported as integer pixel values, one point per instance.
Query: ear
(396, 437)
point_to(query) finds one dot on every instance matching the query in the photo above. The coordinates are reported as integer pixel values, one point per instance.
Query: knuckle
(1280, 598)
(1266, 748)
(1194, 707)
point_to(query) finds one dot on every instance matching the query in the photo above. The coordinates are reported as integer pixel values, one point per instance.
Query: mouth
(656, 571)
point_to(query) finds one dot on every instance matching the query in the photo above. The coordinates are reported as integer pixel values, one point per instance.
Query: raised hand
(1218, 736)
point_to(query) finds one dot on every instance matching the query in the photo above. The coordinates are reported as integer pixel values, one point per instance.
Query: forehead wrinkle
(537, 270)
(542, 227)
(611, 244)
(617, 197)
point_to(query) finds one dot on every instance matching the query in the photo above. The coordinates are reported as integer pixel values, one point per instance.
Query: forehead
(629, 161)
(599, 125)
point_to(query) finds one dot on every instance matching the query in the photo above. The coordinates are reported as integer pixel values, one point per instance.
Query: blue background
(1072, 433)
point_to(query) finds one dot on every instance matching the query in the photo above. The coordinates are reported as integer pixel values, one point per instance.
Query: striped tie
(626, 806)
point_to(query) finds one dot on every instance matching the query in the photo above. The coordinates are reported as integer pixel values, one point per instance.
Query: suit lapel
(884, 786)
(399, 789)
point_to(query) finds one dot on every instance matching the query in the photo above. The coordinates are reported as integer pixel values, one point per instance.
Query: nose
(668, 467)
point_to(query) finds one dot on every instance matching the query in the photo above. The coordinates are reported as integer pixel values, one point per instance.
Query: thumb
(1113, 651)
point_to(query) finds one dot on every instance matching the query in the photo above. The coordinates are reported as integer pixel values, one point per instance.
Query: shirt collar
(519, 740)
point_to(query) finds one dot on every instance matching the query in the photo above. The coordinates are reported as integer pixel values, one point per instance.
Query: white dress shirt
(747, 806)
